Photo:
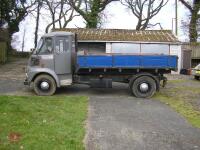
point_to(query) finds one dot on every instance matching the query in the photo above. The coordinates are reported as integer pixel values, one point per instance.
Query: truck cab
(51, 63)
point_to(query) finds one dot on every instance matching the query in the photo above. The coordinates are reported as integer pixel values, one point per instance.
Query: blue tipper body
(128, 61)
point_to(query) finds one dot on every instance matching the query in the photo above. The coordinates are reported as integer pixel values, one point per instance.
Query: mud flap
(164, 82)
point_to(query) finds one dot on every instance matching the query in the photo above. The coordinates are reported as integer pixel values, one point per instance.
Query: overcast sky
(118, 17)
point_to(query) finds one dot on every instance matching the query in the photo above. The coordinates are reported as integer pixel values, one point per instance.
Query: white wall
(145, 48)
(176, 50)
(137, 48)
(108, 48)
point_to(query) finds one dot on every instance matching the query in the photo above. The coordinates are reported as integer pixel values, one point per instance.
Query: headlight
(35, 61)
(193, 71)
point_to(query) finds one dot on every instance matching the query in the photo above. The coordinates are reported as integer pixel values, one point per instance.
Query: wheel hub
(44, 85)
(144, 87)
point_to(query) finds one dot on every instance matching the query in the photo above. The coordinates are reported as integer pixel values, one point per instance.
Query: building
(195, 52)
(115, 41)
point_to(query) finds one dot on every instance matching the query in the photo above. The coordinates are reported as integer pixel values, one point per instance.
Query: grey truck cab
(51, 63)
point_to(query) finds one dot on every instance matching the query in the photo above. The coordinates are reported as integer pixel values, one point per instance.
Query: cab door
(62, 55)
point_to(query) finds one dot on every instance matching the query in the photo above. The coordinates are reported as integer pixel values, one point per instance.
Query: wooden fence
(195, 48)
(3, 52)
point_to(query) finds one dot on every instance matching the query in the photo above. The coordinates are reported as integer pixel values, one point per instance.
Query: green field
(42, 122)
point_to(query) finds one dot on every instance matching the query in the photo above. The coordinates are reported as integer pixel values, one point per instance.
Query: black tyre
(143, 87)
(197, 77)
(44, 85)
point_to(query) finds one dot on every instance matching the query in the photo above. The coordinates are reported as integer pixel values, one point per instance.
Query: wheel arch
(155, 78)
(55, 77)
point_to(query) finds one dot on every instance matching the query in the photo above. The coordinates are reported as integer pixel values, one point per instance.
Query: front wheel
(143, 87)
(44, 85)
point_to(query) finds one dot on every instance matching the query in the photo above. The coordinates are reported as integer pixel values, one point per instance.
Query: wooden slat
(3, 52)
(195, 49)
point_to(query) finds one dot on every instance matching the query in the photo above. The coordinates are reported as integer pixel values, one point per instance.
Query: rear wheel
(44, 85)
(143, 87)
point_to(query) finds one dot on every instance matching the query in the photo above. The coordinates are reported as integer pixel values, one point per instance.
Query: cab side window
(62, 44)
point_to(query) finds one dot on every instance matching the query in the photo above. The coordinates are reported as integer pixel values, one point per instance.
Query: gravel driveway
(124, 123)
(12, 76)
(116, 119)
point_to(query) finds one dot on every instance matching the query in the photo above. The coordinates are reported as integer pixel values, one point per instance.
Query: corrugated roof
(122, 35)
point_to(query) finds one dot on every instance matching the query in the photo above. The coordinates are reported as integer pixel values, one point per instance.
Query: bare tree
(39, 6)
(90, 10)
(144, 10)
(194, 9)
(60, 12)
(154, 25)
(52, 7)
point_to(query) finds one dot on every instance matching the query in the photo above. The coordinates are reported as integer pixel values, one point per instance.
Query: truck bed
(127, 61)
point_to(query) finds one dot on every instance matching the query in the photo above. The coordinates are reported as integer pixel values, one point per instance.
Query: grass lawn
(180, 99)
(42, 122)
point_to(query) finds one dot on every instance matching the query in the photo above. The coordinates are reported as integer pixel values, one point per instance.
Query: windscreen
(39, 45)
(45, 46)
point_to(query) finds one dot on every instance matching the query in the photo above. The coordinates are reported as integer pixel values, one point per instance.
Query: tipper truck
(55, 63)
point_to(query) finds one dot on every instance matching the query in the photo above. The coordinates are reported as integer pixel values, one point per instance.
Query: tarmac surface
(127, 123)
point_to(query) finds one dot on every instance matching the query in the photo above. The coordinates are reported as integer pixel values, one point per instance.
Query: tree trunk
(138, 25)
(91, 24)
(37, 24)
(92, 20)
(193, 35)
(192, 29)
(53, 21)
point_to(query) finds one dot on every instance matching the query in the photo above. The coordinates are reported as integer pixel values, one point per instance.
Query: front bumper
(26, 82)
